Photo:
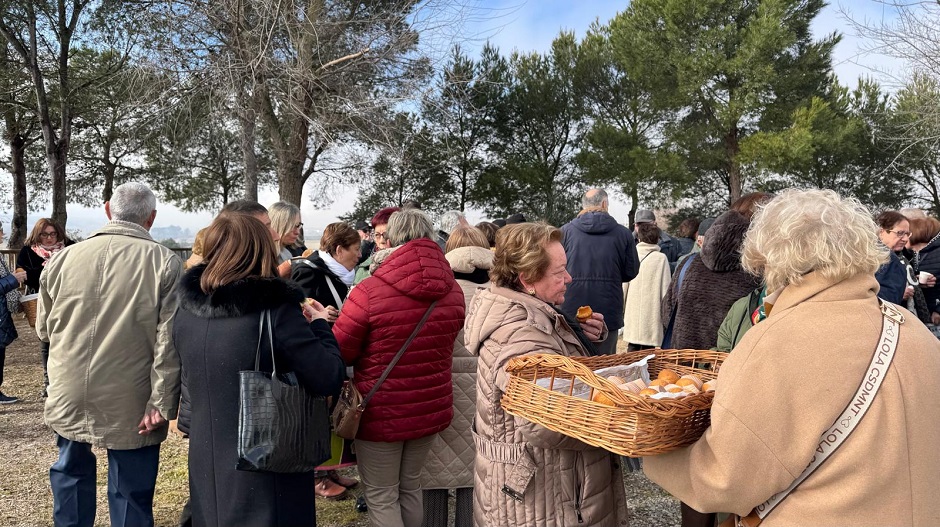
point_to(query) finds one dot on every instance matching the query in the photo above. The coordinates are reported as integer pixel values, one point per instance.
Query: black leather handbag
(280, 427)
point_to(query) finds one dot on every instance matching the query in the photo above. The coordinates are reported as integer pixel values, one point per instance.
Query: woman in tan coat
(527, 475)
(792, 375)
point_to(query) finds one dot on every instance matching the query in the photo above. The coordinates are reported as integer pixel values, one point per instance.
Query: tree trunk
(109, 170)
(56, 159)
(634, 204)
(732, 147)
(248, 124)
(290, 182)
(18, 229)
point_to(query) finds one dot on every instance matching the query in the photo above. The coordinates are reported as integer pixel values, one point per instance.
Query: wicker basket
(29, 303)
(637, 426)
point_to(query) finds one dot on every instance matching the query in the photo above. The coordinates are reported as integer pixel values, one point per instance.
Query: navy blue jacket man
(601, 257)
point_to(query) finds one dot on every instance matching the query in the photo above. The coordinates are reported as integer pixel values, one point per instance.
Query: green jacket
(738, 320)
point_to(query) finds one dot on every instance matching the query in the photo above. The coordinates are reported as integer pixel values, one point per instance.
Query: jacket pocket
(510, 463)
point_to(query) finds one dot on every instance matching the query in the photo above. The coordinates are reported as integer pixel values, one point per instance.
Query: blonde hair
(283, 218)
(803, 231)
(522, 251)
(466, 237)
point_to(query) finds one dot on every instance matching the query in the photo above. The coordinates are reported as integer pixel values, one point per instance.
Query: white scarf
(345, 275)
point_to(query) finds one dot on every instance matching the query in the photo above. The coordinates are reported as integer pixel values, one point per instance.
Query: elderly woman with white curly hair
(817, 366)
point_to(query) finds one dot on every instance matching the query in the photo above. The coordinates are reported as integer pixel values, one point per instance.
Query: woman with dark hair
(46, 239)
(925, 242)
(894, 230)
(216, 332)
(326, 276)
(526, 474)
(702, 292)
(489, 229)
(380, 236)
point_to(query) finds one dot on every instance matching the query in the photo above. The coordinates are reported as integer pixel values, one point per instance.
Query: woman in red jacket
(415, 402)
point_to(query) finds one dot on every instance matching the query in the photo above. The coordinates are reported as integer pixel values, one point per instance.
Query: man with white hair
(601, 257)
(106, 306)
(448, 222)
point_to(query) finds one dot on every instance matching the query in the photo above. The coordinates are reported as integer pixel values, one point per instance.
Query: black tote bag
(280, 427)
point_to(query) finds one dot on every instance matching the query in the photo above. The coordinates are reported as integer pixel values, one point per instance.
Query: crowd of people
(798, 286)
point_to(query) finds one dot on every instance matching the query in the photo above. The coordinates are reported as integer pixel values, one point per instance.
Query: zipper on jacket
(578, 490)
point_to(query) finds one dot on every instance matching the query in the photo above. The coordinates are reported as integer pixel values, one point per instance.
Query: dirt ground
(27, 450)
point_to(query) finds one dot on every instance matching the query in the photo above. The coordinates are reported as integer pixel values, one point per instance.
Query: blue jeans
(132, 476)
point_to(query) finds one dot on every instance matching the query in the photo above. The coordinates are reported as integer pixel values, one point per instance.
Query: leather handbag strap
(833, 437)
(388, 369)
(265, 315)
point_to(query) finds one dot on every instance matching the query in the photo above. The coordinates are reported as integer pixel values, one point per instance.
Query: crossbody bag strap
(853, 413)
(329, 283)
(388, 369)
(339, 302)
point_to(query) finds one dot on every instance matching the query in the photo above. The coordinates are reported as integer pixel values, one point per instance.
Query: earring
(532, 292)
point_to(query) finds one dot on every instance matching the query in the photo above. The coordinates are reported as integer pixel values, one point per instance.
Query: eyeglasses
(48, 234)
(378, 234)
(901, 234)
(299, 225)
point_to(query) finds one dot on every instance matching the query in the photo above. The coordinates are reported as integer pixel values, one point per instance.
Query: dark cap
(499, 222)
(645, 216)
(705, 225)
(515, 218)
(362, 226)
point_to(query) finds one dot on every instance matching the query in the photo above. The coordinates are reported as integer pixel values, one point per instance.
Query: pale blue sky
(530, 25)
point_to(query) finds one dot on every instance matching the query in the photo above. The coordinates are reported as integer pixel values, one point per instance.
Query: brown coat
(784, 384)
(568, 482)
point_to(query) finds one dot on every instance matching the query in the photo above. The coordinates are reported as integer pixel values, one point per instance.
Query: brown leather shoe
(341, 480)
(328, 489)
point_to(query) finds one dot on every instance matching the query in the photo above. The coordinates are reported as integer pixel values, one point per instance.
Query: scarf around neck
(345, 275)
(47, 251)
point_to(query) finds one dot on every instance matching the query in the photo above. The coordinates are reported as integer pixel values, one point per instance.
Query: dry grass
(27, 450)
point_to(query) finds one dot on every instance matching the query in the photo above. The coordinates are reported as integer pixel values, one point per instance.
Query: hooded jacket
(450, 461)
(601, 257)
(416, 399)
(786, 382)
(562, 481)
(713, 282)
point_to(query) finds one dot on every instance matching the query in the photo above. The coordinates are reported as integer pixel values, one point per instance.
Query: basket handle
(574, 368)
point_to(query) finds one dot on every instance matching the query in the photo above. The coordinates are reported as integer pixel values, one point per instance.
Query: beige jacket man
(106, 306)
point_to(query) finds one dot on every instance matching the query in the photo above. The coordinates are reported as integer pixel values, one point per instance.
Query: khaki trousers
(391, 474)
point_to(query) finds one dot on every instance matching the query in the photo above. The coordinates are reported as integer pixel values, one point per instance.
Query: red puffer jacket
(416, 400)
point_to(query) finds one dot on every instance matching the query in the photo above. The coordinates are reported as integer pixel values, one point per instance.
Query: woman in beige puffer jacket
(525, 474)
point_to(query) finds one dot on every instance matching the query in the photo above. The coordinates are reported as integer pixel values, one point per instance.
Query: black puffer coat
(216, 336)
(928, 260)
(713, 282)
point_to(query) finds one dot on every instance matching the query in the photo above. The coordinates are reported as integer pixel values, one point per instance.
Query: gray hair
(450, 220)
(283, 217)
(593, 198)
(409, 224)
(133, 203)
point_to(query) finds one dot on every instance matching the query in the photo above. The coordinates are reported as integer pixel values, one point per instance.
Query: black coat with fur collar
(216, 336)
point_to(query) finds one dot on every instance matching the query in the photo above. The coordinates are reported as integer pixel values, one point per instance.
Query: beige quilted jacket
(450, 461)
(527, 475)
